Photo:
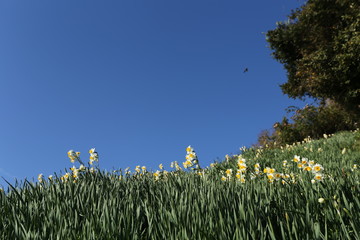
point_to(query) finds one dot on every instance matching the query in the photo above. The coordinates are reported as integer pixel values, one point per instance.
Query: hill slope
(305, 191)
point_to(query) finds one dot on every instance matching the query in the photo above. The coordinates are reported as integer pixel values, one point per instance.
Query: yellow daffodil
(242, 166)
(318, 177)
(157, 175)
(317, 168)
(72, 155)
(308, 168)
(187, 164)
(40, 177)
(241, 160)
(242, 179)
(296, 158)
(189, 149)
(270, 176)
(277, 176)
(191, 159)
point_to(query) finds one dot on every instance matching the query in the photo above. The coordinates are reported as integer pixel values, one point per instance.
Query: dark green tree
(319, 47)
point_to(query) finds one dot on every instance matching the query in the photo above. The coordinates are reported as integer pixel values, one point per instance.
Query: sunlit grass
(309, 190)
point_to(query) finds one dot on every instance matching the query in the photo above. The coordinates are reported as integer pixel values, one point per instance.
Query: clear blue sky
(139, 80)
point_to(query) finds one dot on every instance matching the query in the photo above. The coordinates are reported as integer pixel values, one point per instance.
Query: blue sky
(138, 80)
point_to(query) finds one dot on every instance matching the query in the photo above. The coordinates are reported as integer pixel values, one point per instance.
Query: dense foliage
(260, 194)
(320, 48)
(309, 121)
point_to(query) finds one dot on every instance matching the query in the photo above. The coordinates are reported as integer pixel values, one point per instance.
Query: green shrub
(310, 121)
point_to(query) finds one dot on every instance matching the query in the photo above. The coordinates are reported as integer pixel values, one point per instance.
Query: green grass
(186, 205)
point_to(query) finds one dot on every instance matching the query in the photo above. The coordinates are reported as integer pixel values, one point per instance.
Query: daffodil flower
(317, 168)
(157, 175)
(318, 177)
(189, 149)
(296, 158)
(40, 178)
(191, 159)
(228, 172)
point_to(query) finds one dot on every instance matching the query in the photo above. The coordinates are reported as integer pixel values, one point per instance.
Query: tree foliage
(309, 121)
(319, 47)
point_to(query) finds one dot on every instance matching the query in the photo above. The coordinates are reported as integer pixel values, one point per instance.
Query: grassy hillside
(309, 190)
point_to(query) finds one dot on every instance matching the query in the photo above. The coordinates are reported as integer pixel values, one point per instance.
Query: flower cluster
(272, 175)
(74, 156)
(310, 166)
(160, 174)
(240, 172)
(191, 159)
(94, 157)
(241, 164)
(65, 177)
(140, 170)
(75, 172)
(175, 165)
(157, 175)
(257, 168)
(40, 178)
